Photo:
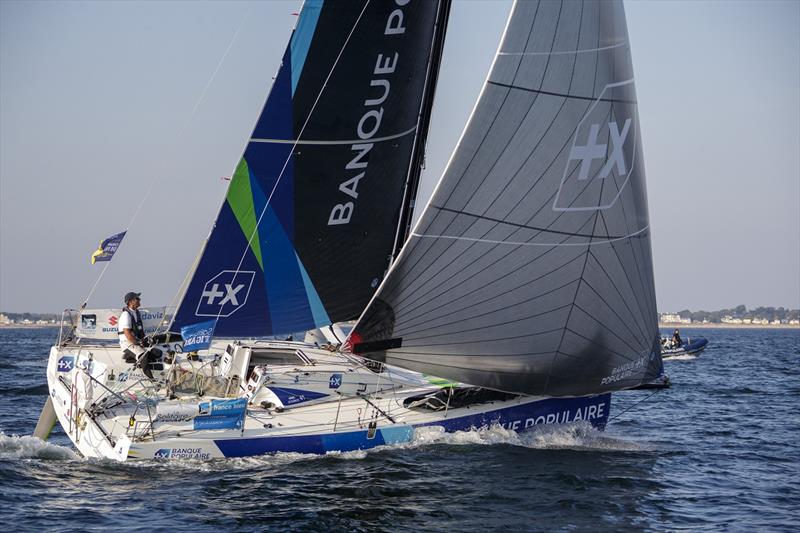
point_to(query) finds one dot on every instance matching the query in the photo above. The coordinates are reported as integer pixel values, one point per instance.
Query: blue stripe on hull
(594, 409)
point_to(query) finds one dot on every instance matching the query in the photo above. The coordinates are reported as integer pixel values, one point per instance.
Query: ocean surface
(718, 451)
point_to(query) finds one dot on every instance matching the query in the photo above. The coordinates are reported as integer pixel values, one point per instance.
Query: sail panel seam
(561, 95)
(564, 52)
(515, 243)
(525, 226)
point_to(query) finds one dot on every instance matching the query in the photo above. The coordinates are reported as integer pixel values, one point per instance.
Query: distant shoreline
(729, 326)
(28, 326)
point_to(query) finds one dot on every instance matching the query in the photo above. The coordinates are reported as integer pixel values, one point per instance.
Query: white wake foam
(572, 436)
(27, 447)
(685, 357)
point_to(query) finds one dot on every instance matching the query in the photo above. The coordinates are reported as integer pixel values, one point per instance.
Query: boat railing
(68, 326)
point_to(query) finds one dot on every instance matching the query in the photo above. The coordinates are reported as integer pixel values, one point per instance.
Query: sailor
(676, 339)
(131, 335)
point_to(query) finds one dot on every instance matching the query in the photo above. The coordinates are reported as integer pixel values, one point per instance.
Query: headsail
(305, 234)
(530, 270)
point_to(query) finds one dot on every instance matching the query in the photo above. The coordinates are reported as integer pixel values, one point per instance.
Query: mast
(418, 152)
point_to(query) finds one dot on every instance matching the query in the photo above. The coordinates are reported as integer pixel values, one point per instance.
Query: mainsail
(530, 269)
(307, 229)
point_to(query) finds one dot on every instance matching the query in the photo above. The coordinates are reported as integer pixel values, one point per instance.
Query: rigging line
(516, 243)
(177, 137)
(291, 152)
(634, 405)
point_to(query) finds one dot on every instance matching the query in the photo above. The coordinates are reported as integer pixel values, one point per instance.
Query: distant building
(5, 320)
(674, 318)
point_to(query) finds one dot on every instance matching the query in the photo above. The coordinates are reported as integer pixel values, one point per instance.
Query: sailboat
(523, 296)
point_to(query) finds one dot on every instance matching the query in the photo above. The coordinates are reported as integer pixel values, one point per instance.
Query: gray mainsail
(530, 269)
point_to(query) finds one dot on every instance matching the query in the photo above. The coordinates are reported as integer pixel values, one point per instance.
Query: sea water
(717, 451)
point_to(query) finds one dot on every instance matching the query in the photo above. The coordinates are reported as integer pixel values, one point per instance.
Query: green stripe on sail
(440, 382)
(240, 198)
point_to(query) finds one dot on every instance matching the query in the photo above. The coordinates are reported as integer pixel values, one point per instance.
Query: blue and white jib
(225, 293)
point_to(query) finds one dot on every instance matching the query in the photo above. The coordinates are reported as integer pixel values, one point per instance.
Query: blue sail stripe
(317, 309)
(301, 39)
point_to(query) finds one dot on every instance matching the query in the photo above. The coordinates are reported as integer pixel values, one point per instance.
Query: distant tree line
(740, 311)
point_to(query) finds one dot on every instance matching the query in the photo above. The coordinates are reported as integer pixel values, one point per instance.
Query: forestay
(530, 270)
(307, 229)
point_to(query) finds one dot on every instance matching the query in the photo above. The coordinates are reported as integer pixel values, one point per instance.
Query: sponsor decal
(88, 321)
(181, 453)
(198, 336)
(66, 363)
(603, 147)
(224, 407)
(294, 396)
(113, 320)
(225, 293)
(625, 371)
(368, 126)
(335, 382)
(173, 417)
(219, 422)
(590, 412)
(151, 315)
(107, 248)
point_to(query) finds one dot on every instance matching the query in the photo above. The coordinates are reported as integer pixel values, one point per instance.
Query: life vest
(136, 322)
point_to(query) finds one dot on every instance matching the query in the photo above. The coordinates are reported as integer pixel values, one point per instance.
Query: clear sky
(101, 100)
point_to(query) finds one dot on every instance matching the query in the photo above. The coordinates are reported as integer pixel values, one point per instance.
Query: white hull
(324, 403)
